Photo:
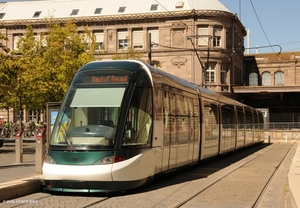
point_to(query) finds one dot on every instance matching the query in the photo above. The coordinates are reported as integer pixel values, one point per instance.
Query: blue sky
(271, 22)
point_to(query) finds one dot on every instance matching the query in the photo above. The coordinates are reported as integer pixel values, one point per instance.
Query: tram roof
(41, 9)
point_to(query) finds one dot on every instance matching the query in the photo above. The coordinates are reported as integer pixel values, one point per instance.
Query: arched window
(266, 79)
(253, 79)
(279, 78)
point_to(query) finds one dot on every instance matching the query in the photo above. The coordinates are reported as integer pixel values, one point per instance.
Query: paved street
(8, 161)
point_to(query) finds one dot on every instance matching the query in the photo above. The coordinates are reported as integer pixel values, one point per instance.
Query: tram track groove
(183, 189)
(220, 178)
(263, 192)
(242, 187)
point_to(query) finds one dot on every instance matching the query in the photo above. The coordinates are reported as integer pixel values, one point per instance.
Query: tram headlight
(49, 159)
(109, 160)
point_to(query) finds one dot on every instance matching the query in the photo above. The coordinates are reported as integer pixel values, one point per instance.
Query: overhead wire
(270, 45)
(205, 39)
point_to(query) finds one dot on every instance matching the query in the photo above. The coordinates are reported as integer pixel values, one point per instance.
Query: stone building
(272, 81)
(198, 40)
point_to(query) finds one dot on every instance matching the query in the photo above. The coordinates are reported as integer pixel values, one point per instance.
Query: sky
(271, 22)
(274, 24)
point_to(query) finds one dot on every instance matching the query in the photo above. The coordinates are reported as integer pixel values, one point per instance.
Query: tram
(123, 122)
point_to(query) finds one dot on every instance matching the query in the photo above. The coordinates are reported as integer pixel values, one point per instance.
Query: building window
(37, 14)
(153, 7)
(15, 42)
(179, 4)
(137, 39)
(228, 39)
(224, 74)
(98, 11)
(85, 38)
(253, 79)
(217, 37)
(266, 79)
(154, 38)
(121, 9)
(44, 39)
(2, 15)
(123, 39)
(99, 40)
(75, 12)
(279, 78)
(202, 36)
(210, 73)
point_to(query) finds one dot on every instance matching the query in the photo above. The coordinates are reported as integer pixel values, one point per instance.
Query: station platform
(20, 179)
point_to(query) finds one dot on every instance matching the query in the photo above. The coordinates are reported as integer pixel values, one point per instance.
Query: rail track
(254, 177)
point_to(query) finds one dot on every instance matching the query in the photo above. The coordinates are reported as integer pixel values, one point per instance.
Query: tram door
(169, 143)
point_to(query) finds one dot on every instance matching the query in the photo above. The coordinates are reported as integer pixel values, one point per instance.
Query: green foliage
(40, 71)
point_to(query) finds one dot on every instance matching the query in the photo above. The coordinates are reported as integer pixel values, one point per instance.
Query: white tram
(123, 122)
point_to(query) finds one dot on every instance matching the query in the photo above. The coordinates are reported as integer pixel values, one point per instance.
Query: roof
(26, 10)
(275, 56)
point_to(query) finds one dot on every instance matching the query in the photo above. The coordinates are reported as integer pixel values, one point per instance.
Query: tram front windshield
(89, 115)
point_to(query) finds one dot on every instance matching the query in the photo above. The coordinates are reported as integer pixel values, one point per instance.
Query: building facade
(198, 40)
(272, 82)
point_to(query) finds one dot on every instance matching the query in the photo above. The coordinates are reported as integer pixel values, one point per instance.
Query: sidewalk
(19, 179)
(294, 178)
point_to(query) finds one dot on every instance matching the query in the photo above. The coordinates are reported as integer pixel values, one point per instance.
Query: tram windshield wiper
(65, 120)
(66, 137)
(70, 143)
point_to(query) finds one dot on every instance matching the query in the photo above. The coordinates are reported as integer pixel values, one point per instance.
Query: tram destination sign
(104, 79)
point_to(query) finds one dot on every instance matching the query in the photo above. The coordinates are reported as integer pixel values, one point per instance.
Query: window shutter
(203, 39)
(138, 38)
(122, 35)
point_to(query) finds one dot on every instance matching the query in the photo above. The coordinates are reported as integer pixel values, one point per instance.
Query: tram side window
(211, 121)
(240, 119)
(195, 113)
(167, 119)
(228, 120)
(183, 119)
(249, 121)
(139, 118)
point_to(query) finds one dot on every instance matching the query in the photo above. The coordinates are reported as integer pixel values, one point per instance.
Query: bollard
(269, 139)
(19, 147)
(40, 150)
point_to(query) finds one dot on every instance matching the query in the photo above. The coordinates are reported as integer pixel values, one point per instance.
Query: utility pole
(149, 49)
(204, 67)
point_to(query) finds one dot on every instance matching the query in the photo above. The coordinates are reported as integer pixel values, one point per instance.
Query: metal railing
(282, 131)
(282, 126)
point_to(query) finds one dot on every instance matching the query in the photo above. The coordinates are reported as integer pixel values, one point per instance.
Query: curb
(21, 187)
(294, 179)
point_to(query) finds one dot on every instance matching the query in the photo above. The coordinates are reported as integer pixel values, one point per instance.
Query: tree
(8, 74)
(66, 52)
(40, 70)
